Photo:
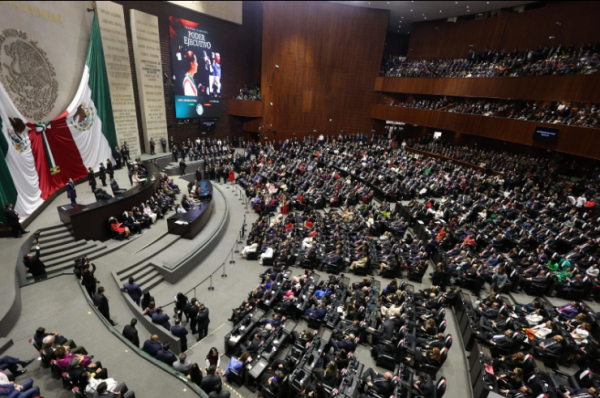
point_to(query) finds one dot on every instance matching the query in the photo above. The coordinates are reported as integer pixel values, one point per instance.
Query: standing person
(163, 143)
(182, 166)
(131, 333)
(133, 289)
(125, 155)
(12, 217)
(152, 146)
(171, 142)
(102, 174)
(174, 152)
(71, 192)
(109, 169)
(101, 302)
(117, 156)
(88, 279)
(203, 321)
(130, 175)
(180, 331)
(213, 358)
(34, 265)
(92, 179)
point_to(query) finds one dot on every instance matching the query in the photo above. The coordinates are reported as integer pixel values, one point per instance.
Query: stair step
(55, 232)
(142, 274)
(152, 283)
(124, 275)
(147, 276)
(69, 252)
(59, 226)
(68, 260)
(57, 237)
(55, 243)
(59, 249)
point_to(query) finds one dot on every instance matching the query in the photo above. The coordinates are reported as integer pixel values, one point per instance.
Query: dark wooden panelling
(573, 140)
(578, 25)
(245, 108)
(396, 44)
(579, 88)
(240, 52)
(328, 56)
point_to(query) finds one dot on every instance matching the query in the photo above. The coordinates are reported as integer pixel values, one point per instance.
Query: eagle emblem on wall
(27, 74)
(83, 119)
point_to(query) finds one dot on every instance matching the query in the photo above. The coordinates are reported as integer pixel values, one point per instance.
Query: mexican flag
(90, 116)
(38, 158)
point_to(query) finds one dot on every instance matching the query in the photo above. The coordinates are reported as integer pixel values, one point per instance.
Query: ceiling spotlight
(271, 103)
(425, 17)
(468, 10)
(467, 6)
(410, 10)
(277, 66)
(440, 10)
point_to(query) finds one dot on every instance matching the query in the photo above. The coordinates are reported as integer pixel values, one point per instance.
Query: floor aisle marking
(211, 333)
(231, 388)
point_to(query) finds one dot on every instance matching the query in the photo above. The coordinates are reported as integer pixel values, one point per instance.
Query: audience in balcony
(540, 61)
(559, 112)
(251, 93)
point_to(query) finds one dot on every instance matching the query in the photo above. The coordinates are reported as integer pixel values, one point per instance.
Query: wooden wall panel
(578, 25)
(245, 108)
(328, 56)
(241, 55)
(579, 88)
(573, 140)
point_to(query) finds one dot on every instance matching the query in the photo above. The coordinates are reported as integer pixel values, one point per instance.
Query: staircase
(144, 274)
(59, 249)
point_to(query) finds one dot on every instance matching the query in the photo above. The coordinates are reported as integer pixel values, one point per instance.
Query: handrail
(188, 383)
(196, 249)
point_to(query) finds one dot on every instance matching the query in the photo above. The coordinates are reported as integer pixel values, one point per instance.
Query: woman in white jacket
(253, 248)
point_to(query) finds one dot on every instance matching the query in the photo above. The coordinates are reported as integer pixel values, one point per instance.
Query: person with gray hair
(50, 345)
(183, 365)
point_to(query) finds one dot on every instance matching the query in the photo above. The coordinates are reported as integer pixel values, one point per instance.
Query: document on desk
(181, 222)
(235, 339)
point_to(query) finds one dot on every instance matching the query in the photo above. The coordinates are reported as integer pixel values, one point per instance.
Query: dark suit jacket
(35, 265)
(101, 302)
(162, 320)
(386, 330)
(131, 334)
(209, 382)
(179, 331)
(11, 217)
(426, 388)
(151, 348)
(203, 319)
(166, 356)
(134, 290)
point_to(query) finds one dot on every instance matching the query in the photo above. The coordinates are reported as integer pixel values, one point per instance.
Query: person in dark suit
(210, 380)
(198, 174)
(91, 179)
(133, 289)
(102, 174)
(71, 192)
(424, 386)
(202, 321)
(191, 312)
(316, 313)
(101, 302)
(152, 346)
(180, 331)
(165, 355)
(381, 383)
(182, 166)
(12, 218)
(385, 331)
(34, 265)
(162, 319)
(101, 194)
(125, 154)
(117, 156)
(115, 188)
(152, 146)
(131, 333)
(163, 143)
(121, 391)
(551, 346)
(110, 169)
